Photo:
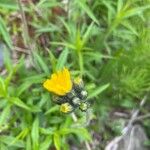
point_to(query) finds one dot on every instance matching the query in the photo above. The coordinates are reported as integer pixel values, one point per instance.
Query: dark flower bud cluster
(76, 98)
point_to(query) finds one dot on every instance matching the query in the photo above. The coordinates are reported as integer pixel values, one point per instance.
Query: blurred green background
(107, 42)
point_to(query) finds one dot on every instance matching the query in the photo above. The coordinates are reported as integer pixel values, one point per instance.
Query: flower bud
(66, 108)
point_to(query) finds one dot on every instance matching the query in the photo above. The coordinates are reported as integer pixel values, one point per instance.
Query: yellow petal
(60, 82)
(48, 84)
(66, 75)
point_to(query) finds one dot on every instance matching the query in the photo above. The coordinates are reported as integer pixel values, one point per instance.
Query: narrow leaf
(62, 59)
(87, 10)
(57, 141)
(97, 91)
(4, 115)
(35, 134)
(4, 33)
(16, 101)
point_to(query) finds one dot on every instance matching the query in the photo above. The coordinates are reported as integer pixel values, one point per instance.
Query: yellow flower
(66, 108)
(60, 82)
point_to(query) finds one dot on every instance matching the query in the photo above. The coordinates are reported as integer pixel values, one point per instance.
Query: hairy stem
(75, 119)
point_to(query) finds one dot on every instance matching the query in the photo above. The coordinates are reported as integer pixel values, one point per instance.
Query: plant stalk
(75, 119)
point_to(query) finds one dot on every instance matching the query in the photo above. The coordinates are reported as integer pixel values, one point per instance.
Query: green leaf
(3, 146)
(40, 61)
(128, 104)
(53, 109)
(53, 60)
(21, 135)
(66, 25)
(23, 87)
(16, 101)
(8, 4)
(28, 143)
(147, 143)
(46, 144)
(47, 131)
(35, 108)
(119, 5)
(66, 44)
(8, 139)
(7, 61)
(62, 59)
(4, 115)
(97, 91)
(84, 134)
(48, 28)
(35, 134)
(130, 27)
(96, 55)
(4, 33)
(12, 71)
(47, 4)
(3, 92)
(34, 78)
(87, 33)
(80, 132)
(135, 11)
(57, 142)
(86, 8)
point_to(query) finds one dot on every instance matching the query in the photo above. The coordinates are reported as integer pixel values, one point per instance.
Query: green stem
(81, 64)
(75, 119)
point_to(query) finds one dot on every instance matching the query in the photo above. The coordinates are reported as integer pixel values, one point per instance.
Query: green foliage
(105, 42)
(4, 33)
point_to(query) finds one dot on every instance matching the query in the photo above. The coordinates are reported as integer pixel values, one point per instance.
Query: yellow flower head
(66, 108)
(59, 83)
